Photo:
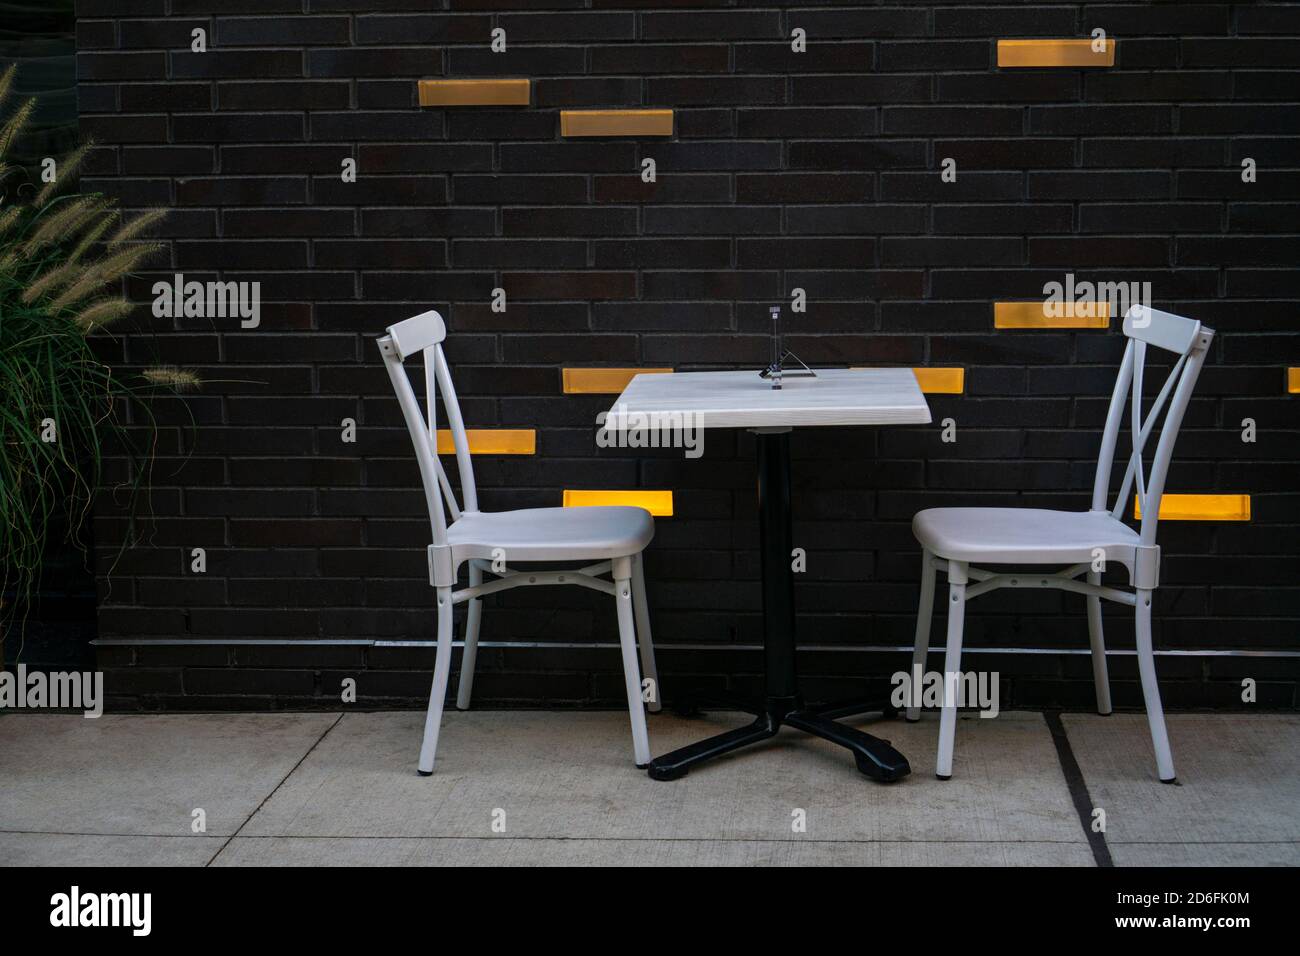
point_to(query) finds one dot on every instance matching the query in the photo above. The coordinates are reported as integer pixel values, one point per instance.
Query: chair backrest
(424, 334)
(1190, 341)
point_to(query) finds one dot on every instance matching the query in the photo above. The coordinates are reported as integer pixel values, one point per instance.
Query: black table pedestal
(783, 705)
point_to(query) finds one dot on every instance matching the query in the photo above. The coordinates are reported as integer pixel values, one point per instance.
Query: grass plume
(65, 408)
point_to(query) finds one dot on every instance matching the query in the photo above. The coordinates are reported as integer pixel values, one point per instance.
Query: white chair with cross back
(953, 539)
(599, 540)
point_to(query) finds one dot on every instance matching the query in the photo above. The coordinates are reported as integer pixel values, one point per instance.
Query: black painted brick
(817, 170)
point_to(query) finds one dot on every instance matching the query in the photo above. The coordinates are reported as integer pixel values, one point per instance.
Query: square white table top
(837, 396)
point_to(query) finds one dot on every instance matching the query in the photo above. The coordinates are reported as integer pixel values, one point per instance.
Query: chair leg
(631, 673)
(438, 693)
(951, 667)
(922, 647)
(644, 640)
(1151, 691)
(1100, 677)
(469, 657)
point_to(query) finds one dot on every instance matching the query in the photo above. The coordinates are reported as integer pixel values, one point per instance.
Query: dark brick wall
(55, 630)
(817, 170)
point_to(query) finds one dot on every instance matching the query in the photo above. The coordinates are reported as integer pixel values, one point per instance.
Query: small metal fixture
(776, 370)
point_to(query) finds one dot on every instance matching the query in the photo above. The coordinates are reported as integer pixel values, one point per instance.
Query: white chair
(953, 538)
(612, 537)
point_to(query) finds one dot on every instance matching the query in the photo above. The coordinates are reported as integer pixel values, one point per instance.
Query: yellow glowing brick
(941, 381)
(1200, 508)
(1293, 381)
(616, 122)
(474, 92)
(658, 503)
(492, 441)
(1051, 315)
(1015, 53)
(602, 381)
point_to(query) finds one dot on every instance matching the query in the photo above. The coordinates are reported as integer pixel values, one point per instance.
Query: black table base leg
(875, 757)
(679, 762)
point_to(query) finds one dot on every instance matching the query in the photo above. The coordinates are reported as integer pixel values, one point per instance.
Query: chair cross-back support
(953, 538)
(603, 540)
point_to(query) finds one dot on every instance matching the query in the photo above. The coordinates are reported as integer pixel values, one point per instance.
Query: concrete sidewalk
(530, 788)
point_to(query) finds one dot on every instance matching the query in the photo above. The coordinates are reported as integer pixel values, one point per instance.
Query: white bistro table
(836, 397)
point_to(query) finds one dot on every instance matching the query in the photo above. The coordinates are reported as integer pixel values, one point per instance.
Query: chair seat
(1023, 535)
(552, 534)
